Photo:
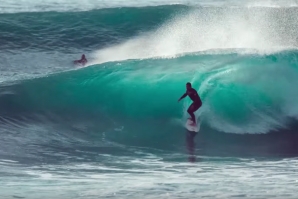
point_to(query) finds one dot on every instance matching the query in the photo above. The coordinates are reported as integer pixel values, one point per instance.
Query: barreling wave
(240, 93)
(232, 56)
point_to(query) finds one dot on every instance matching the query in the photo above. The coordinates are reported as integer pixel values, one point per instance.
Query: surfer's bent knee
(194, 107)
(190, 109)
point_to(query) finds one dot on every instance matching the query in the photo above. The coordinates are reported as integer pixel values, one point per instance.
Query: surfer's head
(188, 85)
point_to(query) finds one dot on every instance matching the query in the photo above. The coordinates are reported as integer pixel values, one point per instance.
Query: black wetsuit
(197, 102)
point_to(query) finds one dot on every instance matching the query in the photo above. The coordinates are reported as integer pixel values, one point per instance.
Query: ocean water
(114, 129)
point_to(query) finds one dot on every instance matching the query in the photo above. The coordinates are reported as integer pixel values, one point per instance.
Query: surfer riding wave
(197, 102)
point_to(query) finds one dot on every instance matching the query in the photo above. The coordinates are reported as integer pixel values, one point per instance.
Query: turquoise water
(114, 128)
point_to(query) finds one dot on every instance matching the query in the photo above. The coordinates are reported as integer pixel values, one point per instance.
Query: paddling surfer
(197, 102)
(82, 61)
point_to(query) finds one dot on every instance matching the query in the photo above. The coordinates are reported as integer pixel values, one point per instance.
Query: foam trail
(251, 30)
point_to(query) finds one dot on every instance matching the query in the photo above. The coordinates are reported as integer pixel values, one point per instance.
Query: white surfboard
(191, 127)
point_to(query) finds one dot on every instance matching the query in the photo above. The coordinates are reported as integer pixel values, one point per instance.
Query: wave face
(237, 91)
(242, 59)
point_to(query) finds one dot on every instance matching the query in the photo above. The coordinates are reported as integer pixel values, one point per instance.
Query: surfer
(197, 102)
(82, 61)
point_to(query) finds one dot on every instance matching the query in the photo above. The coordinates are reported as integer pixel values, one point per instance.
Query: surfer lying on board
(82, 61)
(197, 102)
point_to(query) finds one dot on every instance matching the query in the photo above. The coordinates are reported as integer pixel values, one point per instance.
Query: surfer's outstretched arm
(183, 96)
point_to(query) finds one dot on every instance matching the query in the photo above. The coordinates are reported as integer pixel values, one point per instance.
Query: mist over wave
(261, 31)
